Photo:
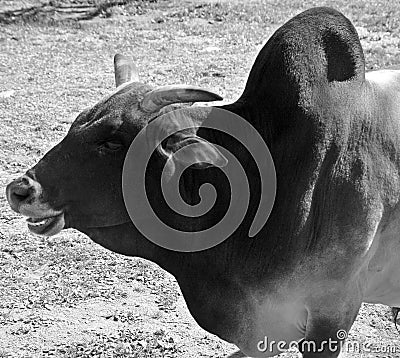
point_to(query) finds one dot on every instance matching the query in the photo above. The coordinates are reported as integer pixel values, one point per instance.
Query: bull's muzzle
(25, 196)
(23, 190)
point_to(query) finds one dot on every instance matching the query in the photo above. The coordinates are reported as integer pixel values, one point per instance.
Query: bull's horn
(160, 97)
(124, 70)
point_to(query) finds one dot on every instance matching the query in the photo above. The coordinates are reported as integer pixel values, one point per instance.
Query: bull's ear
(174, 136)
(194, 151)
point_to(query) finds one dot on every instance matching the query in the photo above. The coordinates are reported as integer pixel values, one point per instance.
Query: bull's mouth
(46, 226)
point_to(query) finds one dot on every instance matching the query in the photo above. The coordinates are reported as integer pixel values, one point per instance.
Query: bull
(331, 240)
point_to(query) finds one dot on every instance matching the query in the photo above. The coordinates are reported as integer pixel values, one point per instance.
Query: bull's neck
(218, 260)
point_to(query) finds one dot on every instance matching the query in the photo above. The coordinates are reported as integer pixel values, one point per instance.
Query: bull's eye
(111, 145)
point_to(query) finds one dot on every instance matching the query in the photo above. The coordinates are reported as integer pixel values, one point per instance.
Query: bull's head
(78, 182)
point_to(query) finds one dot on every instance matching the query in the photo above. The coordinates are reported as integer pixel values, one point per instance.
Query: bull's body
(331, 241)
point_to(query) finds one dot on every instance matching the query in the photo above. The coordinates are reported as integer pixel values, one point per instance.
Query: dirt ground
(65, 296)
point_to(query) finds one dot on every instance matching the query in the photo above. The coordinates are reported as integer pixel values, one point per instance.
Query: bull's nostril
(19, 194)
(19, 197)
(21, 191)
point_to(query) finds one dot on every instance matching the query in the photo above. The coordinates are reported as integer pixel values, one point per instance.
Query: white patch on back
(383, 281)
(384, 78)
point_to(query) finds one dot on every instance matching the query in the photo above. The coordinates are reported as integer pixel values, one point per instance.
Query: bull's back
(383, 274)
